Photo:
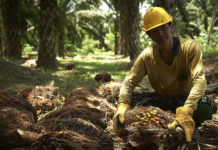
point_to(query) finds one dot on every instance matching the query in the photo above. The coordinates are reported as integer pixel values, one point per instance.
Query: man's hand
(184, 119)
(119, 117)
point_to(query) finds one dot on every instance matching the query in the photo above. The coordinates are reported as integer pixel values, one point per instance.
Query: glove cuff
(122, 107)
(184, 111)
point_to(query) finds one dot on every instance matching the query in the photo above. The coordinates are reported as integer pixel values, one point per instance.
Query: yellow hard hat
(156, 16)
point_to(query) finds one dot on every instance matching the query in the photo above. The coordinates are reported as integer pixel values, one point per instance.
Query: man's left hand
(184, 119)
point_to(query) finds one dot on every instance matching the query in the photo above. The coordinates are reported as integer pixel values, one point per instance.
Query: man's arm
(133, 78)
(197, 75)
(184, 113)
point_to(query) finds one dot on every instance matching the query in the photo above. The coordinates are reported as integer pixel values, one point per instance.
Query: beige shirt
(185, 76)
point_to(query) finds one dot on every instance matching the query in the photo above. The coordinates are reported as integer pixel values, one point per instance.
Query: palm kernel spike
(137, 116)
(144, 114)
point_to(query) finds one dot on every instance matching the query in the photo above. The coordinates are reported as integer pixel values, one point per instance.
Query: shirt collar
(176, 45)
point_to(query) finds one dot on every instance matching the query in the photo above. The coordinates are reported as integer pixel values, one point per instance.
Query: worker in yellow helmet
(174, 68)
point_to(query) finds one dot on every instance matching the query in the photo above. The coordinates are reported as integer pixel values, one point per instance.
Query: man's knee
(206, 107)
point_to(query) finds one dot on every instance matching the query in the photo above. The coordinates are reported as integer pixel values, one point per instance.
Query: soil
(211, 70)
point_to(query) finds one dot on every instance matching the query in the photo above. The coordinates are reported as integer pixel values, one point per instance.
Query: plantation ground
(69, 105)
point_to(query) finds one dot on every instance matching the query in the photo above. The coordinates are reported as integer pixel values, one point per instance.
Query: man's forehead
(163, 25)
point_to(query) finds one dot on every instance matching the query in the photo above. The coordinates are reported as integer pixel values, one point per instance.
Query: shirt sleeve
(134, 77)
(197, 74)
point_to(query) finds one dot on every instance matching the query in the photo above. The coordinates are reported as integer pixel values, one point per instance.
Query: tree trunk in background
(1, 42)
(61, 34)
(47, 34)
(61, 22)
(212, 23)
(12, 28)
(101, 37)
(129, 19)
(102, 43)
(204, 7)
(123, 51)
(1, 33)
(116, 28)
(170, 6)
(116, 35)
(205, 22)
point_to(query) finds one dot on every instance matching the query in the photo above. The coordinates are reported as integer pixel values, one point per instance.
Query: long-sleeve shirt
(185, 76)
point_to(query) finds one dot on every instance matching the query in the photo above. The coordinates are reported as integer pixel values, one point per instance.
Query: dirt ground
(38, 118)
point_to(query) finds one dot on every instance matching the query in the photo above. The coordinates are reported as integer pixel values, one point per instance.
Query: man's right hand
(119, 117)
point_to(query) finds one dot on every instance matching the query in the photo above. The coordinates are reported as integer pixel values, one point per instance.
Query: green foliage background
(85, 28)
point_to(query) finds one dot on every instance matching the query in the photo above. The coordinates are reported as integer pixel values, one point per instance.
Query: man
(174, 69)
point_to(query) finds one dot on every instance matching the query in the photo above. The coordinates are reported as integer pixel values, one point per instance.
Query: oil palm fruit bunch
(145, 128)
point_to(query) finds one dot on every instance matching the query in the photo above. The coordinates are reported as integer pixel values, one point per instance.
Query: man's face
(161, 35)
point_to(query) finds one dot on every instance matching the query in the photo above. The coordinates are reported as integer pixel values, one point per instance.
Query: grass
(16, 78)
(85, 70)
(210, 53)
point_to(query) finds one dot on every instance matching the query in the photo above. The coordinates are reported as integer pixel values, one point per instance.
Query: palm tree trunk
(12, 28)
(129, 19)
(116, 35)
(47, 34)
(61, 34)
(205, 22)
(212, 23)
(117, 46)
(169, 5)
(1, 34)
(1, 42)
